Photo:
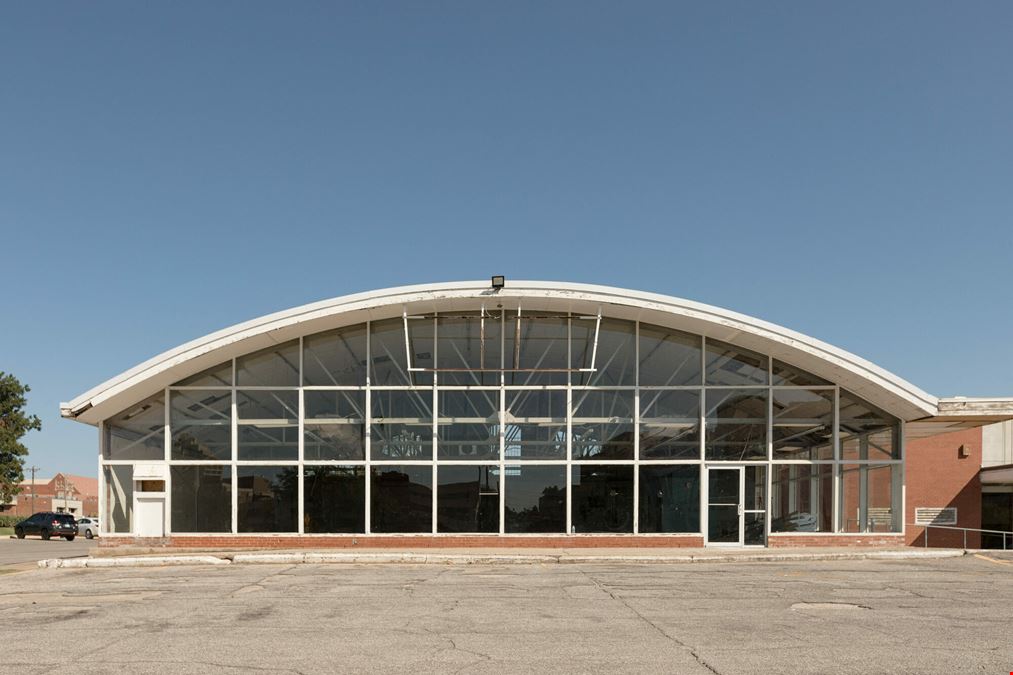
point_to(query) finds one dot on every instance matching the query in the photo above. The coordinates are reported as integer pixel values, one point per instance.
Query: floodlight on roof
(498, 282)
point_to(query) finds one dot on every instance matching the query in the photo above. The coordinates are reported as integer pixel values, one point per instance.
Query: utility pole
(34, 469)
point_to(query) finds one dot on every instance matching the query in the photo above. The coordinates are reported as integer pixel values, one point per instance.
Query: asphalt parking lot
(908, 616)
(31, 549)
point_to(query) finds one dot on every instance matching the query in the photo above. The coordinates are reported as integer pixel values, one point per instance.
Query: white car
(88, 527)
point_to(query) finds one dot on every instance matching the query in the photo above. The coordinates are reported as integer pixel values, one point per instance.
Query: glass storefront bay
(501, 422)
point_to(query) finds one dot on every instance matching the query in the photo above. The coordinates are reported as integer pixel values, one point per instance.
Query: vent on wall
(931, 516)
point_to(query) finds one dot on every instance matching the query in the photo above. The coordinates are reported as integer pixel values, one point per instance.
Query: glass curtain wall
(505, 422)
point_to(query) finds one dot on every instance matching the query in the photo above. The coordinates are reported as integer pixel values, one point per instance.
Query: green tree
(14, 424)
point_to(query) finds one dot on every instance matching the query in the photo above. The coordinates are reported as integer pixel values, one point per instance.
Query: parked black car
(48, 524)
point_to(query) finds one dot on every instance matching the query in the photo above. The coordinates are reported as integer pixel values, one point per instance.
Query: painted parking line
(993, 560)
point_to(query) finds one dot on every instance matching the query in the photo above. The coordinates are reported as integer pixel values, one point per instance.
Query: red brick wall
(864, 540)
(938, 477)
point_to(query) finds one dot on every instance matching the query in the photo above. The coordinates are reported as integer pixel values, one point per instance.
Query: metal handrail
(925, 538)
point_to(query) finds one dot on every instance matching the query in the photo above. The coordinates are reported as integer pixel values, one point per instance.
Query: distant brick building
(63, 492)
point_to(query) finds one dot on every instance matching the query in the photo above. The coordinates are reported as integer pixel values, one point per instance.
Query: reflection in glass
(866, 431)
(467, 499)
(276, 366)
(118, 482)
(335, 406)
(669, 424)
(535, 498)
(755, 533)
(469, 346)
(334, 499)
(670, 498)
(137, 433)
(803, 425)
(201, 424)
(535, 424)
(733, 366)
(736, 424)
(281, 405)
(216, 376)
(268, 498)
(278, 441)
(602, 424)
(784, 373)
(802, 498)
(201, 498)
(614, 358)
(388, 363)
(337, 357)
(668, 358)
(422, 343)
(870, 498)
(535, 343)
(468, 425)
(334, 441)
(401, 499)
(723, 524)
(402, 424)
(602, 498)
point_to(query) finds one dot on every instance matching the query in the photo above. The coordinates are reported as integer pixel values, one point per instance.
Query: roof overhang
(878, 386)
(997, 475)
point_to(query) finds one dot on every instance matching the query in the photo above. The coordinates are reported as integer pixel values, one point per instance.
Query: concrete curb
(153, 561)
(299, 558)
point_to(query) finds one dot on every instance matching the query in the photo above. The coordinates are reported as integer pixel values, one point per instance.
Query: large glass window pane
(278, 405)
(602, 424)
(201, 498)
(669, 424)
(870, 498)
(734, 367)
(535, 349)
(401, 499)
(803, 425)
(468, 425)
(216, 376)
(268, 498)
(866, 431)
(276, 366)
(535, 424)
(783, 373)
(736, 424)
(201, 424)
(467, 499)
(422, 343)
(388, 362)
(268, 440)
(602, 498)
(337, 357)
(335, 426)
(334, 499)
(402, 424)
(119, 499)
(670, 498)
(668, 358)
(615, 356)
(535, 499)
(802, 498)
(469, 348)
(138, 432)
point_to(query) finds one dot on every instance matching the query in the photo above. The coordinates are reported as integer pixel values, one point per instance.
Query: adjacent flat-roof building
(524, 413)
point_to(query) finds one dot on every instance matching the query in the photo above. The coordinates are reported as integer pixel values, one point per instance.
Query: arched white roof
(878, 386)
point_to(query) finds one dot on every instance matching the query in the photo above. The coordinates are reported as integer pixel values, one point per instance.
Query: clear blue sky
(842, 169)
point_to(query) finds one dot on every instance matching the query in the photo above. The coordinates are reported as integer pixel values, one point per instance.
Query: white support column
(234, 434)
(302, 455)
(636, 428)
(368, 412)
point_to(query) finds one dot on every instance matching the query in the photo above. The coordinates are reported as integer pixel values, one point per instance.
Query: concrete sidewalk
(161, 557)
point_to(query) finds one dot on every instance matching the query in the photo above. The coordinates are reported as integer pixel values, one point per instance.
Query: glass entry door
(736, 507)
(724, 506)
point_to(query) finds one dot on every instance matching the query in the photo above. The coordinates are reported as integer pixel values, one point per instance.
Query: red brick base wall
(830, 540)
(412, 542)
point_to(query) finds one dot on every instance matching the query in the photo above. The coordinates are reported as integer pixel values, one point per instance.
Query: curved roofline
(879, 386)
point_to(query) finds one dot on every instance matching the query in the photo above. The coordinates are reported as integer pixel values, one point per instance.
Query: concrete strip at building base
(495, 558)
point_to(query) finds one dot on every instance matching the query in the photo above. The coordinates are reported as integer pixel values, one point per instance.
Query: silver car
(88, 527)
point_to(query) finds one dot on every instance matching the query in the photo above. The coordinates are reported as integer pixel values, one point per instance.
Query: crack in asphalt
(692, 650)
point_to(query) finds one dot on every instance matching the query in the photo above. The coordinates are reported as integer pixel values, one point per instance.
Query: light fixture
(498, 282)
